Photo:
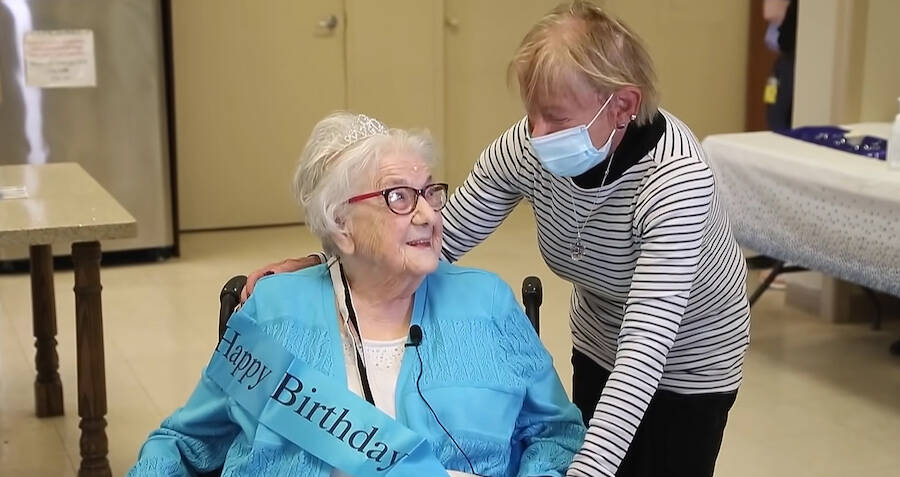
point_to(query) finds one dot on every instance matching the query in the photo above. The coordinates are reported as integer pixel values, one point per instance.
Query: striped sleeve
(493, 189)
(672, 212)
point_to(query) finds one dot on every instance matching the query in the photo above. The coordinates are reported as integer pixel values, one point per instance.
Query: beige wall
(817, 32)
(457, 51)
(481, 37)
(700, 51)
(881, 71)
(699, 47)
(827, 77)
(244, 105)
(251, 82)
(847, 67)
(393, 60)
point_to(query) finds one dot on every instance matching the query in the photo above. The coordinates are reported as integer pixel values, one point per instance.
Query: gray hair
(342, 149)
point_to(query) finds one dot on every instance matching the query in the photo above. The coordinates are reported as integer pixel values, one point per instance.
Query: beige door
(395, 63)
(481, 38)
(250, 82)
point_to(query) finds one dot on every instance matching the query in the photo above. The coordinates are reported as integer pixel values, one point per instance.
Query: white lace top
(383, 359)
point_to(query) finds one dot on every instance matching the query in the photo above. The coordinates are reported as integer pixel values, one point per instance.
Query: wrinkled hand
(286, 265)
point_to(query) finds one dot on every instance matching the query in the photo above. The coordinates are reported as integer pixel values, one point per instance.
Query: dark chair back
(229, 298)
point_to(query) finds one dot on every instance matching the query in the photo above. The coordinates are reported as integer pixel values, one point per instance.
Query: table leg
(48, 395)
(777, 269)
(91, 367)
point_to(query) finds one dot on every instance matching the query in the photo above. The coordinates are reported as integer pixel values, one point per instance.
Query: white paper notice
(60, 59)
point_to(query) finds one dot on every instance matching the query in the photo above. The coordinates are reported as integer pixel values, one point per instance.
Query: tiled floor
(818, 399)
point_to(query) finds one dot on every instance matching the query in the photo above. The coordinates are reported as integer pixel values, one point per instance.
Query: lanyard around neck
(353, 325)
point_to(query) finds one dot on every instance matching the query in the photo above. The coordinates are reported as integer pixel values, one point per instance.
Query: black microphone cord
(419, 388)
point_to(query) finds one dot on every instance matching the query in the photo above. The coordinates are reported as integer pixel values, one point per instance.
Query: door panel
(395, 63)
(250, 83)
(481, 38)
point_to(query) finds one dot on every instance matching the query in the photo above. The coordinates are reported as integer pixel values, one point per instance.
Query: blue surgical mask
(570, 152)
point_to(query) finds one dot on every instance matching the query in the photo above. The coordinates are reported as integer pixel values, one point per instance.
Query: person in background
(781, 37)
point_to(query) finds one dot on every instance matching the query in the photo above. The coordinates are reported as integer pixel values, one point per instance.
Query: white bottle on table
(893, 145)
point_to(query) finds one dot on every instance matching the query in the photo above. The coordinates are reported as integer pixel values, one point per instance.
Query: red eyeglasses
(402, 200)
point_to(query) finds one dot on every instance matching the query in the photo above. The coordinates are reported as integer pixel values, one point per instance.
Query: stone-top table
(52, 203)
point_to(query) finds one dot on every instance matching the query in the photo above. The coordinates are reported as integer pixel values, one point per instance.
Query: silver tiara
(364, 127)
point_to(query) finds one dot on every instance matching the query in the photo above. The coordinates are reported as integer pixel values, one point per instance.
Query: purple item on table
(834, 137)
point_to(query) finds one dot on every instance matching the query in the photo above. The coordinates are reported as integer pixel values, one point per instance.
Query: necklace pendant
(577, 251)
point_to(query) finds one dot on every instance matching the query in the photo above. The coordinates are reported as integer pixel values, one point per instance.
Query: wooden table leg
(48, 395)
(91, 367)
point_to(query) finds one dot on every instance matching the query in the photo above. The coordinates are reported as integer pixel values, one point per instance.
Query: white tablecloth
(810, 205)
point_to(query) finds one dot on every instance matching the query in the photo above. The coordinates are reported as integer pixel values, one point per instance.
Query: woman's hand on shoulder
(286, 265)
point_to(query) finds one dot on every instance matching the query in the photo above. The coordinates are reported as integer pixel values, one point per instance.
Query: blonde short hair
(579, 41)
(339, 160)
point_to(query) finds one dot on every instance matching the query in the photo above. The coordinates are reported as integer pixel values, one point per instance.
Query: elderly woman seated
(383, 361)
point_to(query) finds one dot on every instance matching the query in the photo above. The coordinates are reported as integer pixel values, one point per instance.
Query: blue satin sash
(313, 411)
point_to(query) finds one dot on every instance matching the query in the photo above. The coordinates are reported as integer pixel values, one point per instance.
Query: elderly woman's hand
(286, 265)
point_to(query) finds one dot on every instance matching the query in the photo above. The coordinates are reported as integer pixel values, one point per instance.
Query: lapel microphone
(415, 336)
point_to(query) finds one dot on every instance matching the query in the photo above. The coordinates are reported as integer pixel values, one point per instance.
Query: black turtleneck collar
(636, 143)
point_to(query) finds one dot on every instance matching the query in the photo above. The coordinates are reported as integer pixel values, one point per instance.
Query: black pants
(680, 434)
(780, 113)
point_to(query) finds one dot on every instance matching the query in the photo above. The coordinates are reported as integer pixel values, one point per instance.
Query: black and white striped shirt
(659, 298)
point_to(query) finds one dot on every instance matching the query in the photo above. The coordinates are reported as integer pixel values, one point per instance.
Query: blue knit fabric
(486, 375)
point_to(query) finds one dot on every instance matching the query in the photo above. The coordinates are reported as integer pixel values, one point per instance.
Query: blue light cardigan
(486, 375)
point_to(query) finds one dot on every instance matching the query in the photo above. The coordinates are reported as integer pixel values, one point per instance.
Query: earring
(622, 126)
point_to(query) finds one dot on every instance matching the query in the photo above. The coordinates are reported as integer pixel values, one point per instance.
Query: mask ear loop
(600, 111)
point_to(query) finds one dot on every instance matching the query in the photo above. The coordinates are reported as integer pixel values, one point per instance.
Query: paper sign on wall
(60, 59)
